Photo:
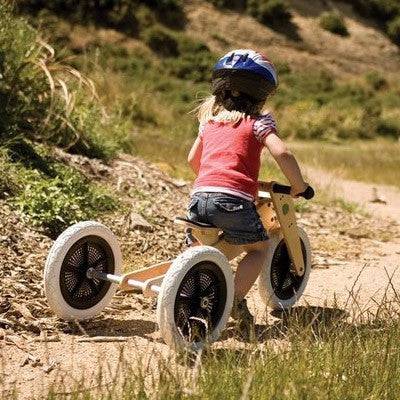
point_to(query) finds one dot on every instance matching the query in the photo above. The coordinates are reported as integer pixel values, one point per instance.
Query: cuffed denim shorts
(236, 217)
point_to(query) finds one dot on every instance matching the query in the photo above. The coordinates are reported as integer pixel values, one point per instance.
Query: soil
(355, 261)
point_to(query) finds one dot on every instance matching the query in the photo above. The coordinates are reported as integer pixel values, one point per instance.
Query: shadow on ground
(318, 321)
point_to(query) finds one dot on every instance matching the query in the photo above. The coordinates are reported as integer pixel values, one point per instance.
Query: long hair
(211, 110)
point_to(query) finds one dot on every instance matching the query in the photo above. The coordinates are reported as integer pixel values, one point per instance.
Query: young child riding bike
(234, 128)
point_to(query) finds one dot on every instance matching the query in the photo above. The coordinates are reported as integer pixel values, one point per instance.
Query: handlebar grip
(278, 188)
(307, 194)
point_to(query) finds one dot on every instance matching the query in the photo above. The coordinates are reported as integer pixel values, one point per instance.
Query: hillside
(304, 45)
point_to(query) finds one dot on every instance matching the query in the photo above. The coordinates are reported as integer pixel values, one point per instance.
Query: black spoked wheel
(285, 282)
(77, 289)
(200, 301)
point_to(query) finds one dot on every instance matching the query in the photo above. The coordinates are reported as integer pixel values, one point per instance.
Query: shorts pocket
(232, 205)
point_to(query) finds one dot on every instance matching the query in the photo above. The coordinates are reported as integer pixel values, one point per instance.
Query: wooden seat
(193, 224)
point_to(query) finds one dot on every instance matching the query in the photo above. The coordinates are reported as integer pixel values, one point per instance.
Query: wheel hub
(204, 302)
(79, 285)
(200, 301)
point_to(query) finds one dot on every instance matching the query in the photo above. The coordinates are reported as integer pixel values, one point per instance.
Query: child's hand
(296, 190)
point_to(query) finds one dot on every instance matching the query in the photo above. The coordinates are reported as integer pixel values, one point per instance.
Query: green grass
(50, 195)
(46, 100)
(321, 356)
(376, 161)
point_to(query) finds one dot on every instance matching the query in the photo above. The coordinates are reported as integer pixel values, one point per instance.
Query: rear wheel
(280, 287)
(196, 298)
(71, 291)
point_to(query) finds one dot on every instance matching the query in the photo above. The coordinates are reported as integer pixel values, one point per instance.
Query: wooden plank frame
(284, 208)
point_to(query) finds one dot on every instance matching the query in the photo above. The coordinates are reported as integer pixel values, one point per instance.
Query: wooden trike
(195, 290)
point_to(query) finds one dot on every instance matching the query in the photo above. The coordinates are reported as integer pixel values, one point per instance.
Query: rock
(376, 198)
(136, 221)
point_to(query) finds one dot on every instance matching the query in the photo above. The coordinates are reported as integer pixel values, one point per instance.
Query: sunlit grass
(375, 161)
(307, 353)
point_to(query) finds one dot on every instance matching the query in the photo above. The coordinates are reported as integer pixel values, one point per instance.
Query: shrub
(333, 22)
(9, 185)
(269, 11)
(161, 41)
(393, 30)
(388, 127)
(45, 100)
(195, 61)
(375, 80)
(169, 12)
(118, 14)
(55, 203)
(235, 4)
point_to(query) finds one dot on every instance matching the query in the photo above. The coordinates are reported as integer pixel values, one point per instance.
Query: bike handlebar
(307, 194)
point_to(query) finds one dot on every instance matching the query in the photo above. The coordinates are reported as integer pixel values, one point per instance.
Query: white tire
(82, 245)
(285, 294)
(202, 278)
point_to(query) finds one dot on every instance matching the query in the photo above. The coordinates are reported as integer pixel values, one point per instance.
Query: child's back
(226, 159)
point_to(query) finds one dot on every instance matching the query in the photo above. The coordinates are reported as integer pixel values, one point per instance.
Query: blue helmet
(247, 72)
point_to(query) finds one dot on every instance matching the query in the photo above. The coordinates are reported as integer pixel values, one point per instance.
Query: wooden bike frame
(278, 216)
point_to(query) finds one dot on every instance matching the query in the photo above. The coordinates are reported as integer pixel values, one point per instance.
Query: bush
(235, 4)
(383, 10)
(333, 22)
(45, 100)
(9, 186)
(195, 61)
(161, 41)
(118, 14)
(269, 11)
(55, 203)
(375, 80)
(393, 30)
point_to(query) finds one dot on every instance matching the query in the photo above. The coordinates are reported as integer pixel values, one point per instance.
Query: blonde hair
(210, 110)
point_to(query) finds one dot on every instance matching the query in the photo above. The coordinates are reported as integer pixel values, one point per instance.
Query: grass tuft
(333, 22)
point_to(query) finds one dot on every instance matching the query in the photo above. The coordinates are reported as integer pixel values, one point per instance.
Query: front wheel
(196, 298)
(280, 288)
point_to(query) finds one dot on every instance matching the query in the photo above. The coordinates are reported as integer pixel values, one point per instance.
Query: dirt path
(359, 192)
(356, 261)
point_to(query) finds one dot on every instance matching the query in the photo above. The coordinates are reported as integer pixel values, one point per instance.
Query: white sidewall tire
(55, 260)
(169, 288)
(264, 281)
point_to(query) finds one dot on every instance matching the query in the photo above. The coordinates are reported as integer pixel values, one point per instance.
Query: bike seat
(193, 224)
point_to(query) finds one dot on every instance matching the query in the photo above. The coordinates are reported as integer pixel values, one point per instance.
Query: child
(226, 159)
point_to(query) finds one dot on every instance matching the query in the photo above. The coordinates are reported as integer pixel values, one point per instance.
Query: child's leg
(249, 268)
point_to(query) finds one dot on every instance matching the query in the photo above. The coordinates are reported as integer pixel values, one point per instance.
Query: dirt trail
(359, 192)
(354, 256)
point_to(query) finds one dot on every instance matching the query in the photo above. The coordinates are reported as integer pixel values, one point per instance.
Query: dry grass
(369, 161)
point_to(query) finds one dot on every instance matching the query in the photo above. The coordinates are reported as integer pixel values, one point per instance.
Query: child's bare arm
(194, 156)
(286, 162)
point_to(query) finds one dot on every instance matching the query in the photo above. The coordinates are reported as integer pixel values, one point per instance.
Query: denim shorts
(236, 217)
